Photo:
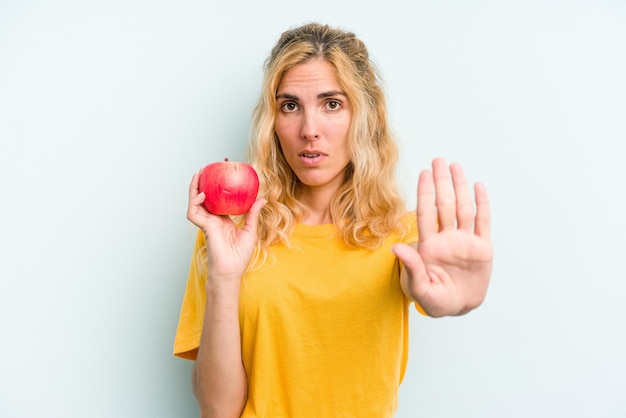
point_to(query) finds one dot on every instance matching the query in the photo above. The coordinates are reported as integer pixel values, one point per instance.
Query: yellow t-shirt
(324, 327)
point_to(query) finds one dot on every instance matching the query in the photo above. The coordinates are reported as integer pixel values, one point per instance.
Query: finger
(252, 217)
(198, 199)
(193, 186)
(413, 264)
(426, 209)
(464, 203)
(446, 200)
(195, 196)
(482, 224)
(409, 257)
(194, 207)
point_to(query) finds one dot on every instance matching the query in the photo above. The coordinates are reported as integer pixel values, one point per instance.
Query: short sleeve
(410, 220)
(191, 317)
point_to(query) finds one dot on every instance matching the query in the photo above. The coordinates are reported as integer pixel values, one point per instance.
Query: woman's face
(312, 123)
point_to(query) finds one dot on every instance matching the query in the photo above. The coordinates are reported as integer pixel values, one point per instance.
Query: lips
(311, 158)
(311, 154)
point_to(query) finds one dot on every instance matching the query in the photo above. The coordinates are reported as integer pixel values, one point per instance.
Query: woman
(302, 310)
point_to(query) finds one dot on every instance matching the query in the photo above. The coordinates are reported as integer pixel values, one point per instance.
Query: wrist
(223, 284)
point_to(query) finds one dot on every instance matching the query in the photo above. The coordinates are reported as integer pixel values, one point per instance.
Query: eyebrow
(319, 96)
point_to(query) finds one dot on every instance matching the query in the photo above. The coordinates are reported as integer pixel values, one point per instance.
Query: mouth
(311, 153)
(312, 158)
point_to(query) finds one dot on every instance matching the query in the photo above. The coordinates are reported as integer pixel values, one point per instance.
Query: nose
(310, 129)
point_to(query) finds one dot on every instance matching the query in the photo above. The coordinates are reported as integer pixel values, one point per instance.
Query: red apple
(230, 187)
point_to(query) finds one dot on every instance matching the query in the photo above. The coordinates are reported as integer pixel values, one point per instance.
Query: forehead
(315, 73)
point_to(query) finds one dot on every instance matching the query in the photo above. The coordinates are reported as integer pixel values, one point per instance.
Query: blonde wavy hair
(368, 206)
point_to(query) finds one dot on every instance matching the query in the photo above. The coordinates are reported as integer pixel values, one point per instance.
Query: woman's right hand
(229, 248)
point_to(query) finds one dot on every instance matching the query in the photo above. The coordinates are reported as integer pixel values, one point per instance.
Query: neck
(317, 206)
(315, 218)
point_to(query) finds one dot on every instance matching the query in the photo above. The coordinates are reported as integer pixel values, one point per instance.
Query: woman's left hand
(449, 271)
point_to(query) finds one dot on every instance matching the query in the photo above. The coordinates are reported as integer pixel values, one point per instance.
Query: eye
(333, 104)
(289, 107)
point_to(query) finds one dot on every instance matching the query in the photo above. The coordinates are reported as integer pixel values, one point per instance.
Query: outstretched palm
(449, 271)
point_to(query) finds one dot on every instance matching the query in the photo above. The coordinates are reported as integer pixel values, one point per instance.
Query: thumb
(408, 255)
(252, 217)
(413, 262)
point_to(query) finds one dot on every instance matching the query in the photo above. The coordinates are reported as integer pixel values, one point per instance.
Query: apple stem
(226, 159)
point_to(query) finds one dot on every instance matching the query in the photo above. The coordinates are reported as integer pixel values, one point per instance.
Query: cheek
(286, 148)
(286, 132)
(282, 139)
(284, 121)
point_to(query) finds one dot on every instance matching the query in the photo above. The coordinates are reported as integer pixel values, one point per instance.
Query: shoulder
(409, 222)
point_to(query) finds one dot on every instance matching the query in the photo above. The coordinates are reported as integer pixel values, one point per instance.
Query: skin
(313, 119)
(219, 378)
(447, 272)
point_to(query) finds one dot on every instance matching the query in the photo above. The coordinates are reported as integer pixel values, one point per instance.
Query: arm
(219, 378)
(448, 270)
